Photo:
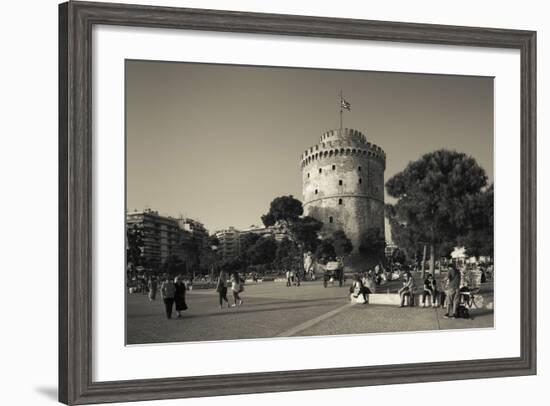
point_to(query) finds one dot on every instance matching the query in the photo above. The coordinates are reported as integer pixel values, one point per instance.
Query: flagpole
(341, 110)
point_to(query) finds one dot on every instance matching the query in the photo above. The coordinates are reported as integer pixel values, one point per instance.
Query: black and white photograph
(272, 202)
(260, 202)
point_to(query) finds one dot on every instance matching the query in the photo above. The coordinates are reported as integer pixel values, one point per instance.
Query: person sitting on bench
(369, 283)
(407, 290)
(357, 289)
(430, 289)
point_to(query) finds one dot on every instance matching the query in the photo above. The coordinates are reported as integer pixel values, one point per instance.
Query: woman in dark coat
(181, 288)
(221, 288)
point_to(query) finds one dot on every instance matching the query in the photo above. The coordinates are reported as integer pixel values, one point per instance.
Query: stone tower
(343, 186)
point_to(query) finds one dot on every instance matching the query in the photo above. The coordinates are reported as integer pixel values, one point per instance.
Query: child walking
(236, 288)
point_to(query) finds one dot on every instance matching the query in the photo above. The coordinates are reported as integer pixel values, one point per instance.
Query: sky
(218, 142)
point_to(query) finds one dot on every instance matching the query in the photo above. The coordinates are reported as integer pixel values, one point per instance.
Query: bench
(469, 299)
(391, 299)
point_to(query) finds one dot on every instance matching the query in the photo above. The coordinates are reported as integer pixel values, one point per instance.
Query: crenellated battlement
(347, 142)
(344, 133)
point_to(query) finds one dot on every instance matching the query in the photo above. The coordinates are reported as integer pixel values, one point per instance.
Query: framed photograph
(259, 202)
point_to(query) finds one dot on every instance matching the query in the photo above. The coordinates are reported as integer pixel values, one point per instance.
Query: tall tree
(191, 249)
(372, 243)
(303, 231)
(263, 251)
(342, 244)
(285, 209)
(433, 196)
(247, 242)
(286, 254)
(325, 250)
(479, 238)
(134, 247)
(173, 265)
(402, 235)
(213, 241)
(232, 265)
(209, 256)
(398, 256)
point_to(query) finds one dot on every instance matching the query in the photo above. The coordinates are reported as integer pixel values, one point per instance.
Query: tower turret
(343, 185)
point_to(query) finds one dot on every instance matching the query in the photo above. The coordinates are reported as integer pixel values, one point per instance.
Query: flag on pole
(345, 105)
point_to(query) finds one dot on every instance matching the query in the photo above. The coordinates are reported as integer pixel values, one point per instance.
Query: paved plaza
(272, 310)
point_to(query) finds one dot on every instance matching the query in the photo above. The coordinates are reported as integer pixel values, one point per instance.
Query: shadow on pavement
(252, 308)
(480, 312)
(245, 310)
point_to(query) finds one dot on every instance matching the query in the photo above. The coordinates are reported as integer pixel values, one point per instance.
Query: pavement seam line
(310, 323)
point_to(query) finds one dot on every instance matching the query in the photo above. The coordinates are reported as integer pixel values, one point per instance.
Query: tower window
(340, 182)
(340, 201)
(330, 219)
(359, 169)
(360, 180)
(316, 191)
(308, 175)
(320, 170)
(333, 167)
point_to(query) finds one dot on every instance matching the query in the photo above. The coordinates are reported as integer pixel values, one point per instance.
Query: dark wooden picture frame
(76, 20)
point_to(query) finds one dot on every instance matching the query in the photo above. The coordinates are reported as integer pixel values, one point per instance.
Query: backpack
(463, 312)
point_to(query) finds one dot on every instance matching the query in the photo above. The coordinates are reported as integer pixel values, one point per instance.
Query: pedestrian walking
(142, 285)
(453, 292)
(180, 294)
(221, 288)
(288, 279)
(152, 285)
(168, 293)
(237, 286)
